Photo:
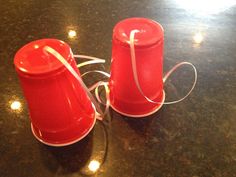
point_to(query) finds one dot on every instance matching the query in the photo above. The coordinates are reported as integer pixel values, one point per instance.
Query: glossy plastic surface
(124, 95)
(60, 110)
(150, 33)
(32, 60)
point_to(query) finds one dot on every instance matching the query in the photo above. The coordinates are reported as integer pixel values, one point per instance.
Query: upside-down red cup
(125, 97)
(61, 113)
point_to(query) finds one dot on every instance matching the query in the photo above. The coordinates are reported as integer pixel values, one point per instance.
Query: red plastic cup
(125, 97)
(60, 111)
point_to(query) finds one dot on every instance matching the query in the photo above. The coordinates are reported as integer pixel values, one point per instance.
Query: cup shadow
(67, 159)
(140, 125)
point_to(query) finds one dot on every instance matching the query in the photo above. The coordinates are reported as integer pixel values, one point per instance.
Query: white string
(96, 71)
(107, 104)
(134, 69)
(96, 87)
(94, 60)
(74, 73)
(194, 82)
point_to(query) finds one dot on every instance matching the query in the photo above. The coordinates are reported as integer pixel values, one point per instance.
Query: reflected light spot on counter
(206, 7)
(72, 34)
(94, 165)
(16, 105)
(198, 38)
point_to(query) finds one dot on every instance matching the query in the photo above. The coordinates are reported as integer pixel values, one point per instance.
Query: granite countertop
(194, 138)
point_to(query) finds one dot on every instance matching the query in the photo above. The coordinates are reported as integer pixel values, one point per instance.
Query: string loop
(136, 79)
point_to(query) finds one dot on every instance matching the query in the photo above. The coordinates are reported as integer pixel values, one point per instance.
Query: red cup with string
(125, 97)
(61, 112)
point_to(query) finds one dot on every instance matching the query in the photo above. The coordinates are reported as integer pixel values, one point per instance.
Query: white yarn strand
(134, 69)
(73, 72)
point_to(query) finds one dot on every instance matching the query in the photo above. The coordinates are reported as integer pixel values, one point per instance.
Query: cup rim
(141, 115)
(70, 141)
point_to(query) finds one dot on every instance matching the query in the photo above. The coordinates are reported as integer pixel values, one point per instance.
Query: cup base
(141, 115)
(58, 144)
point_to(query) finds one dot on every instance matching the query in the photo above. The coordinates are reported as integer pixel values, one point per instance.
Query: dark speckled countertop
(194, 138)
